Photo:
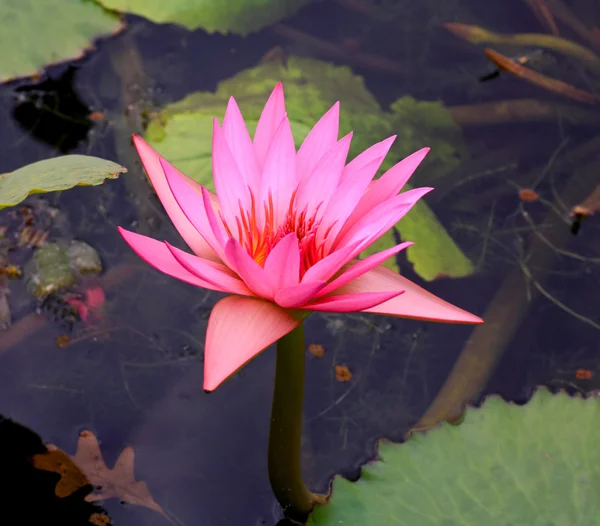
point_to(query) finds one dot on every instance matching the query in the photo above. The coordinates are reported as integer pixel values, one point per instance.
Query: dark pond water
(135, 377)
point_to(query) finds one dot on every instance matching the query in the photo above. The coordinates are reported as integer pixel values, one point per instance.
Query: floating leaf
(427, 123)
(52, 175)
(38, 33)
(236, 16)
(531, 465)
(182, 133)
(118, 482)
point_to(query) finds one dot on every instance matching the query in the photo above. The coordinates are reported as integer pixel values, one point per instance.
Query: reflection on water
(134, 376)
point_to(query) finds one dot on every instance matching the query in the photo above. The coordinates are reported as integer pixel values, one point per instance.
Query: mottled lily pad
(531, 465)
(236, 16)
(52, 175)
(39, 33)
(182, 133)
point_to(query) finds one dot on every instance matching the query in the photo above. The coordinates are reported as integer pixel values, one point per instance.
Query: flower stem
(285, 435)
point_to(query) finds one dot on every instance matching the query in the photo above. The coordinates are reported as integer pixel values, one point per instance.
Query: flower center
(260, 236)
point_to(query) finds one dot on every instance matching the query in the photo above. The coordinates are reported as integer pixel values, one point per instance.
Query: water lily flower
(283, 232)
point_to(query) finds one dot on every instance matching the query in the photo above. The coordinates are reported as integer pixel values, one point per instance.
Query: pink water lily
(283, 232)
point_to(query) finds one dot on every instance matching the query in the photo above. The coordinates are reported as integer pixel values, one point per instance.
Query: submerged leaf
(236, 16)
(531, 465)
(118, 482)
(53, 175)
(182, 133)
(38, 33)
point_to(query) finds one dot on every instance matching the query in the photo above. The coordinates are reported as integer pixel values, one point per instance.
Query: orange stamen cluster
(259, 237)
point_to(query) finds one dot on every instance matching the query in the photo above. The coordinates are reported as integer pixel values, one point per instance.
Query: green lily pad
(531, 465)
(52, 175)
(423, 122)
(38, 33)
(182, 133)
(236, 16)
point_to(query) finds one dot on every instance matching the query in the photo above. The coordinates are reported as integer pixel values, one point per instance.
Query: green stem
(285, 435)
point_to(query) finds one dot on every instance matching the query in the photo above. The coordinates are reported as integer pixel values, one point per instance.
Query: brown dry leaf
(99, 519)
(71, 477)
(118, 482)
(529, 195)
(342, 373)
(316, 350)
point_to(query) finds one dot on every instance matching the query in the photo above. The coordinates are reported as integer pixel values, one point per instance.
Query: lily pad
(531, 465)
(52, 175)
(38, 33)
(236, 16)
(428, 122)
(182, 133)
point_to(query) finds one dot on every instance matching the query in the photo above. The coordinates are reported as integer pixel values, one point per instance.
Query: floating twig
(479, 35)
(533, 77)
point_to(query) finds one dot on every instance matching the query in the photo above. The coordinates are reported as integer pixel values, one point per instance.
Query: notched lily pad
(420, 123)
(39, 33)
(531, 465)
(236, 16)
(182, 133)
(52, 175)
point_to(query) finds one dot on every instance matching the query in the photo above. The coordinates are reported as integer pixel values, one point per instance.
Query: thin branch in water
(533, 77)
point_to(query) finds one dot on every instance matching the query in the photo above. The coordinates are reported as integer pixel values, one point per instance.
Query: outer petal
(379, 220)
(363, 266)
(344, 200)
(248, 269)
(387, 186)
(415, 303)
(351, 302)
(325, 177)
(238, 329)
(376, 152)
(194, 206)
(151, 161)
(268, 123)
(298, 295)
(279, 171)
(240, 144)
(157, 255)
(282, 266)
(321, 138)
(216, 273)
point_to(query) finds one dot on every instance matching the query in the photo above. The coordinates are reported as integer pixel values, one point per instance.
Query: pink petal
(282, 266)
(321, 138)
(279, 172)
(217, 274)
(194, 206)
(316, 189)
(297, 295)
(380, 219)
(240, 144)
(387, 186)
(363, 266)
(249, 270)
(343, 202)
(415, 303)
(215, 225)
(351, 302)
(157, 255)
(229, 183)
(376, 152)
(239, 328)
(268, 123)
(323, 270)
(151, 161)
